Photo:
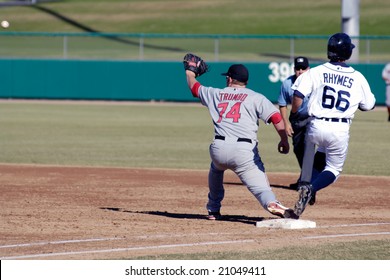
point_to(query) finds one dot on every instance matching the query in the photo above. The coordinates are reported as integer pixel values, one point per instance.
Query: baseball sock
(324, 179)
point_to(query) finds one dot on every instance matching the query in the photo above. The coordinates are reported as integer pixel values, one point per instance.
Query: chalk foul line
(346, 235)
(58, 242)
(126, 249)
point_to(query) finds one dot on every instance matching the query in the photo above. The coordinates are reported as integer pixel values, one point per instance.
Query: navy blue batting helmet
(340, 47)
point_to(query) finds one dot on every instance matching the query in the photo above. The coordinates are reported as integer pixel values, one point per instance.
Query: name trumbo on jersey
(232, 96)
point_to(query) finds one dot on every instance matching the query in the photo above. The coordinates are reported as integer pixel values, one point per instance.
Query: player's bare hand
(283, 147)
(289, 130)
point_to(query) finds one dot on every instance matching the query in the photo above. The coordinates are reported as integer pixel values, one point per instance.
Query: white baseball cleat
(214, 216)
(277, 209)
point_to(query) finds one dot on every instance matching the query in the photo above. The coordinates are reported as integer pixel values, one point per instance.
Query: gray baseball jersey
(386, 77)
(236, 111)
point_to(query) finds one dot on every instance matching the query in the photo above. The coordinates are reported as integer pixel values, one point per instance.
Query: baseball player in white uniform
(335, 92)
(386, 78)
(296, 128)
(235, 111)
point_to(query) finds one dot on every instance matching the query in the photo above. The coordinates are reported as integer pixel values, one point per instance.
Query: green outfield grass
(361, 250)
(155, 135)
(249, 17)
(203, 16)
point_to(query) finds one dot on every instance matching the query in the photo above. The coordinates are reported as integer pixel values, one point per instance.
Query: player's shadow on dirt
(283, 187)
(229, 218)
(272, 185)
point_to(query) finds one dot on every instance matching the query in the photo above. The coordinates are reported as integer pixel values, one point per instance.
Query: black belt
(344, 120)
(219, 137)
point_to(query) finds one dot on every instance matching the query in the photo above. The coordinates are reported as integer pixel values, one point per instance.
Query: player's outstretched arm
(191, 80)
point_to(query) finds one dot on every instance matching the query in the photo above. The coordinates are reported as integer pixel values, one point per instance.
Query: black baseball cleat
(312, 200)
(290, 214)
(305, 194)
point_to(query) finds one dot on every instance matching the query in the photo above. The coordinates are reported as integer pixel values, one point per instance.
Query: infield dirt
(53, 212)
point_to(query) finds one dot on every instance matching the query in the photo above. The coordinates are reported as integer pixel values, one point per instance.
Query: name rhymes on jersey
(330, 78)
(328, 100)
(329, 87)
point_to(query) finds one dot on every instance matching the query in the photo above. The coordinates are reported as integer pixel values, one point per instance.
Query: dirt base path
(50, 212)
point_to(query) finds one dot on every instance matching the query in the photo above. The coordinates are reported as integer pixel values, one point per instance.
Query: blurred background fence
(118, 66)
(171, 47)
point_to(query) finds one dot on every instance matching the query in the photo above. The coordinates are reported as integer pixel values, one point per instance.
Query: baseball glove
(195, 64)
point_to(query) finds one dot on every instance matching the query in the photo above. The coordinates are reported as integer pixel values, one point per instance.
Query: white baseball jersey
(236, 111)
(335, 90)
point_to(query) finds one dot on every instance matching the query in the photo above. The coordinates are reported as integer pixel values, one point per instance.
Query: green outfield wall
(139, 80)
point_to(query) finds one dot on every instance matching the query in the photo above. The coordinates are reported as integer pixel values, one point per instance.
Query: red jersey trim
(275, 118)
(195, 89)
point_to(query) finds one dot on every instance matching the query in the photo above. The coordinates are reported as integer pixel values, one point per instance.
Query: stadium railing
(171, 47)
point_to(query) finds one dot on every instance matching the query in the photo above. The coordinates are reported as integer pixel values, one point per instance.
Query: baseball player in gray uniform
(235, 111)
(386, 78)
(296, 128)
(335, 92)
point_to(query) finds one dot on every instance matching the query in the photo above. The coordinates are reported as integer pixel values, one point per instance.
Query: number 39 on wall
(280, 71)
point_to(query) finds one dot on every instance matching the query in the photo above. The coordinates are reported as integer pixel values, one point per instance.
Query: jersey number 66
(330, 101)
